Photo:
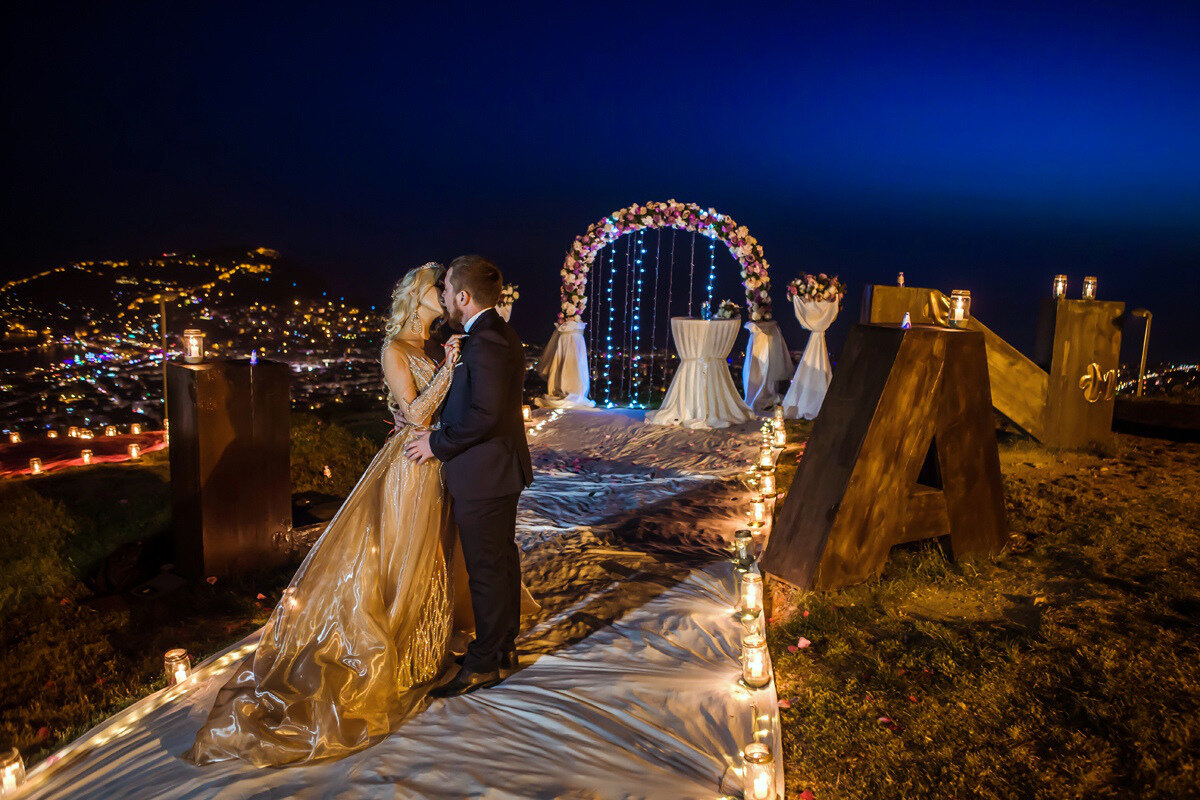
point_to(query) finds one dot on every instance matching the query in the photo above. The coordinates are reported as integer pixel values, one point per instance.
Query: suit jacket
(482, 435)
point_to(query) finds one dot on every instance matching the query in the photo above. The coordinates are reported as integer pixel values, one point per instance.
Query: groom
(482, 443)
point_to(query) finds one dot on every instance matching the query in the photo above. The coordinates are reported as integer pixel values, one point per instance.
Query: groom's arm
(485, 363)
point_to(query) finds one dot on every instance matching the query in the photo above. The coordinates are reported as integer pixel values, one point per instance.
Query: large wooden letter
(904, 449)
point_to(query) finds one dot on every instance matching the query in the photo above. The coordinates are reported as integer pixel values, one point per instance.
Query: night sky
(970, 146)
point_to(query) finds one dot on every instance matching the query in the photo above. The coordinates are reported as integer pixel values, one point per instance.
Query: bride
(364, 627)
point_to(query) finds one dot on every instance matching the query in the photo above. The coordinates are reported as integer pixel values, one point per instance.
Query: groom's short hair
(478, 277)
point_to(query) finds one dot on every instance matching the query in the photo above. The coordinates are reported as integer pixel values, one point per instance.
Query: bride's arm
(418, 408)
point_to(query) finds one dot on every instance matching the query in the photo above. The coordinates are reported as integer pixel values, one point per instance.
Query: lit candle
(51, 434)
(14, 438)
(35, 466)
(756, 664)
(135, 452)
(780, 436)
(758, 512)
(73, 432)
(758, 772)
(177, 665)
(86, 433)
(193, 346)
(743, 547)
(778, 417)
(110, 430)
(1060, 285)
(960, 307)
(752, 593)
(900, 279)
(765, 458)
(12, 772)
(526, 413)
(767, 484)
(135, 428)
(86, 455)
(1089, 287)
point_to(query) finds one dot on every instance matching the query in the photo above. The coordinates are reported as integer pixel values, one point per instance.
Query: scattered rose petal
(260, 596)
(806, 612)
(793, 649)
(912, 698)
(211, 579)
(802, 643)
(807, 795)
(785, 703)
(884, 720)
(43, 733)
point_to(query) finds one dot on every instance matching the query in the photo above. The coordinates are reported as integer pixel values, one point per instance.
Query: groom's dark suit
(482, 443)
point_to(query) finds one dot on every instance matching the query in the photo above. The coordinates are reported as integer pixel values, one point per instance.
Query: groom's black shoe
(466, 682)
(509, 662)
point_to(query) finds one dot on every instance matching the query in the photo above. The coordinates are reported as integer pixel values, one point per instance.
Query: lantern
(51, 434)
(778, 419)
(35, 466)
(193, 346)
(752, 594)
(12, 772)
(780, 436)
(135, 452)
(758, 772)
(110, 430)
(1060, 286)
(135, 428)
(14, 438)
(766, 484)
(756, 664)
(900, 279)
(86, 433)
(1089, 287)
(743, 547)
(177, 666)
(86, 455)
(526, 413)
(73, 432)
(765, 458)
(960, 307)
(758, 512)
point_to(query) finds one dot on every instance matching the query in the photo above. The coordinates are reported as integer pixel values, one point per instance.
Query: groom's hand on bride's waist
(418, 449)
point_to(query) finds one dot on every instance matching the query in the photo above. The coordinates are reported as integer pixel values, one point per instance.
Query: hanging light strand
(654, 325)
(692, 274)
(636, 358)
(670, 300)
(608, 347)
(626, 339)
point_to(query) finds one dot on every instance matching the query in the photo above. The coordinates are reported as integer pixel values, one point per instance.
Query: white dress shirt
(471, 321)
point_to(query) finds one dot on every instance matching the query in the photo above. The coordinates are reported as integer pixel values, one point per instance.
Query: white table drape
(505, 312)
(813, 373)
(564, 366)
(767, 363)
(702, 394)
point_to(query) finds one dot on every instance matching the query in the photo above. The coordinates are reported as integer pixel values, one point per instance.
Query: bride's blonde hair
(406, 297)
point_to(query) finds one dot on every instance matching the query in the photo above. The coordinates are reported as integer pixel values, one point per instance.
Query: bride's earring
(415, 324)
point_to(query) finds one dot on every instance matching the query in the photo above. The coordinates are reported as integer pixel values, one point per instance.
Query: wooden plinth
(904, 449)
(230, 472)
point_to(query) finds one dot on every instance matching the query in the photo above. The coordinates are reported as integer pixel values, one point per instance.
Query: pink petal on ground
(260, 596)
(806, 612)
(912, 698)
(785, 703)
(807, 795)
(884, 720)
(212, 579)
(802, 642)
(793, 649)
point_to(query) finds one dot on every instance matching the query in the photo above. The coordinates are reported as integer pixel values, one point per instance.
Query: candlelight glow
(177, 665)
(1060, 285)
(752, 593)
(35, 466)
(743, 544)
(1089, 287)
(756, 663)
(86, 455)
(765, 458)
(135, 452)
(960, 307)
(758, 512)
(110, 430)
(51, 434)
(526, 413)
(193, 346)
(12, 772)
(14, 438)
(135, 428)
(758, 772)
(73, 432)
(767, 484)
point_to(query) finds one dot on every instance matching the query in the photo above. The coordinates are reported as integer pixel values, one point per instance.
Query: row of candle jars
(1089, 287)
(36, 467)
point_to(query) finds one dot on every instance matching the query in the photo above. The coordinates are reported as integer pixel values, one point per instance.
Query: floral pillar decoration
(564, 363)
(816, 300)
(508, 296)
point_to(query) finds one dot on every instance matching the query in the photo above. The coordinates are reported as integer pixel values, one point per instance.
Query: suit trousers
(488, 529)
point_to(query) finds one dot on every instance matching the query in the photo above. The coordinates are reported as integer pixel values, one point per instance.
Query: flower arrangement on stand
(727, 309)
(671, 214)
(508, 295)
(817, 288)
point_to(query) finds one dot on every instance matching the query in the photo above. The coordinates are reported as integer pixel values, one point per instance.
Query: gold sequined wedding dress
(364, 626)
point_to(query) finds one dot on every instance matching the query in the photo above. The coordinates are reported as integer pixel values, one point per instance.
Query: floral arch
(744, 248)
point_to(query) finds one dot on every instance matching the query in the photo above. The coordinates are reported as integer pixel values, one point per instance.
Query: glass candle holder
(778, 417)
(73, 432)
(756, 663)
(766, 459)
(35, 466)
(1089, 287)
(86, 455)
(14, 438)
(12, 772)
(135, 428)
(780, 438)
(110, 430)
(51, 434)
(526, 413)
(960, 307)
(766, 484)
(758, 512)
(177, 665)
(193, 346)
(758, 772)
(743, 547)
(751, 593)
(1060, 285)
(135, 452)
(86, 433)
(754, 625)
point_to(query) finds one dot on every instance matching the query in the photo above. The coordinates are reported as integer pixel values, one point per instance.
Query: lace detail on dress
(431, 391)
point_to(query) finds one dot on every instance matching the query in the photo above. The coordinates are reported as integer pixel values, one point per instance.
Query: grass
(1068, 666)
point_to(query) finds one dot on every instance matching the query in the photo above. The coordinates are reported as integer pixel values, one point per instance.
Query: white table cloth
(702, 394)
(813, 373)
(767, 363)
(564, 366)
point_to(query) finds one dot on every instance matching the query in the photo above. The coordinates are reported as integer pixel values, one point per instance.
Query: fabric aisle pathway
(630, 679)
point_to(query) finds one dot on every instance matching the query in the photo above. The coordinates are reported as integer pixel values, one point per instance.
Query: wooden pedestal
(904, 449)
(230, 473)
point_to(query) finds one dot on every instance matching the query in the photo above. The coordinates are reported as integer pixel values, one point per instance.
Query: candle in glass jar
(86, 455)
(752, 593)
(756, 664)
(14, 438)
(51, 434)
(778, 417)
(758, 772)
(177, 665)
(743, 546)
(526, 413)
(960, 307)
(135, 452)
(767, 484)
(12, 772)
(765, 459)
(780, 436)
(1060, 285)
(1089, 287)
(73, 432)
(135, 428)
(758, 512)
(193, 346)
(35, 466)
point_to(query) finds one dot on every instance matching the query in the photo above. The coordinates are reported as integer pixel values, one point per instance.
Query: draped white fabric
(564, 366)
(505, 312)
(702, 394)
(813, 373)
(630, 686)
(767, 363)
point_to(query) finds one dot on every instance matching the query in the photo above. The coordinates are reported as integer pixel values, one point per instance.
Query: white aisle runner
(631, 685)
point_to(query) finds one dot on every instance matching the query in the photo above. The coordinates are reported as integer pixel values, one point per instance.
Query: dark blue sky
(985, 147)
